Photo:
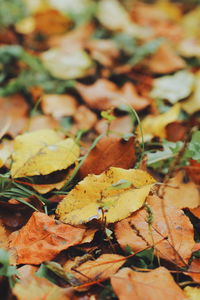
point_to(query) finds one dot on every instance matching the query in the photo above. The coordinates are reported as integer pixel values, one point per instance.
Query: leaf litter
(99, 149)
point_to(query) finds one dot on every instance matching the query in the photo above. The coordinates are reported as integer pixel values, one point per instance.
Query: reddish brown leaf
(109, 152)
(119, 126)
(42, 238)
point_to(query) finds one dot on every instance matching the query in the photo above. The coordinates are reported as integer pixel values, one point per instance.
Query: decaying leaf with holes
(114, 194)
(42, 152)
(171, 232)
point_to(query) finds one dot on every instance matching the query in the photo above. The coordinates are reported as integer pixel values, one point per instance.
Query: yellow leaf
(193, 293)
(155, 125)
(25, 26)
(42, 152)
(97, 193)
(192, 104)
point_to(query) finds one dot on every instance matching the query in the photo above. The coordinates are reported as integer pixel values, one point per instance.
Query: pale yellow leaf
(193, 293)
(42, 152)
(192, 104)
(64, 65)
(97, 193)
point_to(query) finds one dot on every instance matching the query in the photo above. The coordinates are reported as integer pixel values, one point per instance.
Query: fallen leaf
(156, 125)
(176, 131)
(104, 51)
(109, 152)
(153, 285)
(192, 292)
(194, 270)
(3, 237)
(84, 118)
(163, 61)
(106, 192)
(42, 152)
(100, 269)
(171, 232)
(113, 16)
(42, 238)
(35, 288)
(173, 87)
(51, 22)
(104, 94)
(180, 194)
(192, 104)
(58, 105)
(6, 149)
(119, 126)
(64, 65)
(39, 122)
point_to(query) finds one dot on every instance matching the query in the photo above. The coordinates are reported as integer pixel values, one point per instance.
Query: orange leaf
(169, 223)
(100, 269)
(104, 94)
(157, 284)
(109, 152)
(42, 238)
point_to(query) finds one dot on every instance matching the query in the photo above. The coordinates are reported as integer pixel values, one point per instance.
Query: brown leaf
(41, 122)
(103, 51)
(193, 171)
(15, 108)
(3, 237)
(157, 284)
(119, 126)
(100, 269)
(194, 270)
(42, 238)
(109, 152)
(104, 94)
(84, 118)
(180, 194)
(36, 288)
(171, 232)
(165, 60)
(176, 131)
(50, 22)
(58, 105)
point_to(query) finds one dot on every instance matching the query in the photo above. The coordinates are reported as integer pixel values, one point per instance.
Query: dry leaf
(176, 131)
(35, 288)
(119, 126)
(116, 192)
(39, 122)
(192, 104)
(58, 105)
(3, 237)
(109, 152)
(42, 152)
(100, 269)
(42, 238)
(104, 94)
(180, 194)
(173, 87)
(157, 284)
(6, 149)
(194, 270)
(64, 65)
(164, 60)
(84, 118)
(156, 125)
(192, 292)
(171, 232)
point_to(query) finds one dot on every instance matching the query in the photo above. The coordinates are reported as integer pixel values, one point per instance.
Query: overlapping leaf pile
(99, 149)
